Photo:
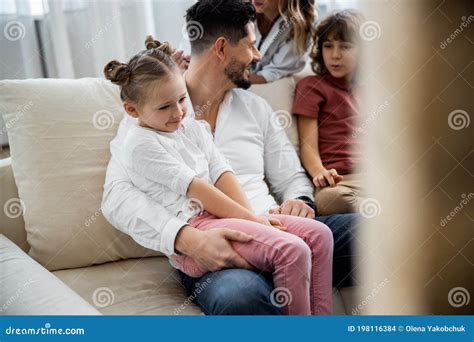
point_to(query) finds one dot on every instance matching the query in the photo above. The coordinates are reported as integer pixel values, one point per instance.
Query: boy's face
(340, 58)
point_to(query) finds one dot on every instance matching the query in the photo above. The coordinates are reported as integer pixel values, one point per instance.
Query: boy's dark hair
(207, 20)
(342, 25)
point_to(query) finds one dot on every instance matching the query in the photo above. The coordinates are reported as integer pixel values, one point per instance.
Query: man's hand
(327, 178)
(212, 249)
(296, 207)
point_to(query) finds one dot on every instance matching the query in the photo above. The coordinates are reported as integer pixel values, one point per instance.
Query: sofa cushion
(147, 286)
(26, 288)
(59, 133)
(12, 224)
(279, 95)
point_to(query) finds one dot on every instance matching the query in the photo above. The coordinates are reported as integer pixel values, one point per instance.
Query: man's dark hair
(208, 20)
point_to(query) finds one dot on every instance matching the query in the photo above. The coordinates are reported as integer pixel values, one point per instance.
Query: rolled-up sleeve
(136, 214)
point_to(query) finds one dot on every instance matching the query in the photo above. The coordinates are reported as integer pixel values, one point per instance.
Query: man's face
(240, 58)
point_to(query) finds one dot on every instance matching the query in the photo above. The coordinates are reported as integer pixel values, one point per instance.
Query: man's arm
(136, 214)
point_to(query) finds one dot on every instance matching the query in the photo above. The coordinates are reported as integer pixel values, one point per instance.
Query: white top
(253, 143)
(162, 164)
(279, 56)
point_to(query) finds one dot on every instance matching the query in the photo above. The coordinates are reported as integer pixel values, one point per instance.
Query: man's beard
(235, 72)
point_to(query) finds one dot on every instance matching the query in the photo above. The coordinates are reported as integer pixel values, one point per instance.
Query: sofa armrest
(27, 288)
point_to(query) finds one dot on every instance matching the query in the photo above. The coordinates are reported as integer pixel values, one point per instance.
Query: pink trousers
(300, 259)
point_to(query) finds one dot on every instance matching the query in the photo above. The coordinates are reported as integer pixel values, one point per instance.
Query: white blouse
(279, 56)
(248, 136)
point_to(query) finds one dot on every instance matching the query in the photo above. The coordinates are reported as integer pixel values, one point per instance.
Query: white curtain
(76, 38)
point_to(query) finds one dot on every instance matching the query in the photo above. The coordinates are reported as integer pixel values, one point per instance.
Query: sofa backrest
(46, 128)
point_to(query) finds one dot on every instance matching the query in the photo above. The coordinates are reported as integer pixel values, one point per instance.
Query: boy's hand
(327, 178)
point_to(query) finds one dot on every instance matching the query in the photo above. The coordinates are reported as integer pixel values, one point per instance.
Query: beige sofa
(58, 254)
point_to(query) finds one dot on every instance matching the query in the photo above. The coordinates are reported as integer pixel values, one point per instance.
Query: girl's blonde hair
(301, 15)
(148, 65)
(342, 25)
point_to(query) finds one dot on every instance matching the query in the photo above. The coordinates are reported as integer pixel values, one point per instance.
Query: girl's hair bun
(151, 43)
(118, 73)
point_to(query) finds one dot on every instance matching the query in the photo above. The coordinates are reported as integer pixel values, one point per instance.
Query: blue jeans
(244, 292)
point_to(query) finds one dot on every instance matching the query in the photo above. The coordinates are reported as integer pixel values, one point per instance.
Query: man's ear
(130, 109)
(220, 47)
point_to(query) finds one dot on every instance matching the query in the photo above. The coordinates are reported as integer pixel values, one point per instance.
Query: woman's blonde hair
(148, 65)
(301, 15)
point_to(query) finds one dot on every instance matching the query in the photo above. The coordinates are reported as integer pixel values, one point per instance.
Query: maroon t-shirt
(331, 101)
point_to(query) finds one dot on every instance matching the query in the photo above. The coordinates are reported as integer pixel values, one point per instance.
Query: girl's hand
(270, 221)
(181, 60)
(327, 178)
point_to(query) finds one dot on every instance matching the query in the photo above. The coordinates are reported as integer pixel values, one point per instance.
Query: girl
(174, 160)
(283, 33)
(327, 109)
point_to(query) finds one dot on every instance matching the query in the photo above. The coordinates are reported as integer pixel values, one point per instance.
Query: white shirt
(279, 56)
(163, 164)
(248, 135)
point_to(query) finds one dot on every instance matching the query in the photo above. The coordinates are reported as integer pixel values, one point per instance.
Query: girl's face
(165, 106)
(340, 58)
(266, 6)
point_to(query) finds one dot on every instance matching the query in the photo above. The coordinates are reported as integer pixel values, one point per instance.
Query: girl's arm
(309, 152)
(229, 185)
(218, 203)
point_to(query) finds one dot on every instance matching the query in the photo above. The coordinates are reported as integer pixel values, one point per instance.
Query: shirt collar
(340, 83)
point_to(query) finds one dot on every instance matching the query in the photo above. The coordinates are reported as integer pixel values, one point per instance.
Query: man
(259, 152)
